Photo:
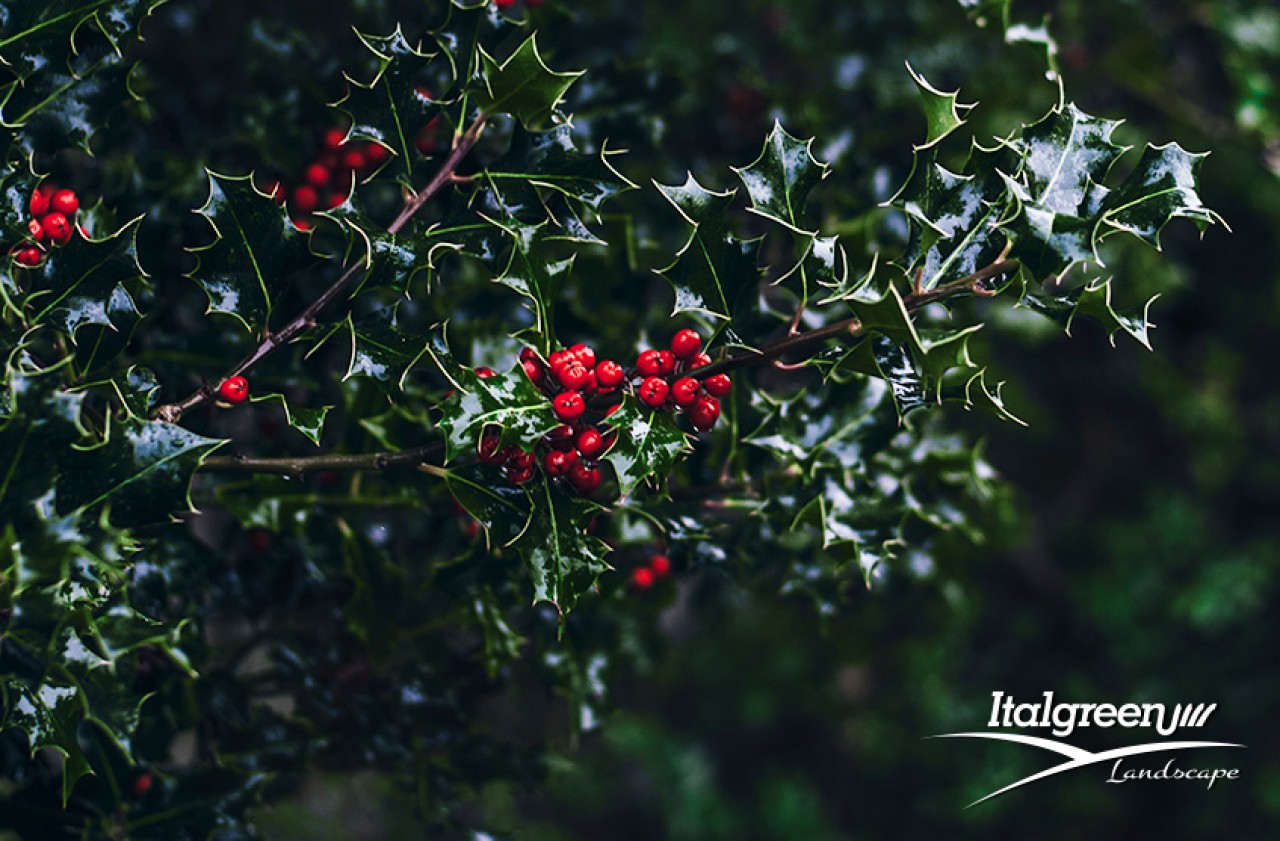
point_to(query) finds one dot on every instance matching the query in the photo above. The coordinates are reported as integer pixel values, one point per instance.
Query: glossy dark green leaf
(648, 446)
(310, 422)
(522, 86)
(393, 107)
(562, 559)
(84, 283)
(715, 272)
(779, 181)
(551, 161)
(34, 36)
(531, 272)
(60, 108)
(1161, 187)
(1092, 300)
(380, 350)
(255, 250)
(508, 401)
(943, 112)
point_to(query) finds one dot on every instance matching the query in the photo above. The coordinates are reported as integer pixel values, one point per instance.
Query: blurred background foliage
(1136, 559)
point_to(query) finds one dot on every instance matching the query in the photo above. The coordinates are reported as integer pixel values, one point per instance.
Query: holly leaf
(64, 107)
(1160, 188)
(943, 112)
(530, 272)
(393, 107)
(255, 248)
(649, 444)
(522, 86)
(380, 350)
(310, 422)
(715, 272)
(1092, 300)
(84, 282)
(38, 36)
(779, 181)
(537, 163)
(562, 559)
(508, 401)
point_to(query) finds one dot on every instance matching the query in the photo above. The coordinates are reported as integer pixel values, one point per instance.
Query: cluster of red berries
(644, 577)
(52, 213)
(572, 450)
(665, 383)
(327, 180)
(234, 390)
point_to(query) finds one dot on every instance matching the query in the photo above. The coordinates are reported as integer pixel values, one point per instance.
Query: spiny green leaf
(562, 559)
(943, 112)
(779, 181)
(715, 272)
(508, 401)
(83, 282)
(380, 350)
(1093, 300)
(310, 422)
(1161, 187)
(522, 86)
(393, 107)
(255, 249)
(36, 35)
(550, 162)
(534, 275)
(649, 444)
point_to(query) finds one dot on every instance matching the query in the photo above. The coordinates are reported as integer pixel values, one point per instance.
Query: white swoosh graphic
(1079, 757)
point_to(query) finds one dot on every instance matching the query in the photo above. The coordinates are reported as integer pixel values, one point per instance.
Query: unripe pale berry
(569, 406)
(609, 373)
(685, 391)
(65, 202)
(718, 385)
(58, 228)
(653, 391)
(686, 343)
(234, 390)
(590, 443)
(704, 412)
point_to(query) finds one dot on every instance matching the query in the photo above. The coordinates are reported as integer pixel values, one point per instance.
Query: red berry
(37, 230)
(573, 375)
(584, 354)
(519, 475)
(65, 202)
(305, 200)
(718, 385)
(557, 463)
(301, 224)
(533, 370)
(653, 391)
(504, 4)
(29, 257)
(609, 373)
(527, 353)
(518, 459)
(649, 363)
(273, 187)
(704, 413)
(590, 443)
(698, 360)
(667, 360)
(660, 564)
(686, 343)
(260, 541)
(484, 372)
(559, 358)
(334, 138)
(569, 406)
(375, 154)
(317, 175)
(58, 228)
(685, 391)
(560, 438)
(586, 480)
(40, 199)
(234, 390)
(488, 449)
(353, 160)
(141, 784)
(642, 578)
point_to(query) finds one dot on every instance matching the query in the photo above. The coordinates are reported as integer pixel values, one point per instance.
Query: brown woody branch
(305, 320)
(311, 464)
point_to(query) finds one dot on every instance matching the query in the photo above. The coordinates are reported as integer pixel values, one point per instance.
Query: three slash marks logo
(1064, 719)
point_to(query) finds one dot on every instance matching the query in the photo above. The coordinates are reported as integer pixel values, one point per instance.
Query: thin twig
(297, 466)
(305, 320)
